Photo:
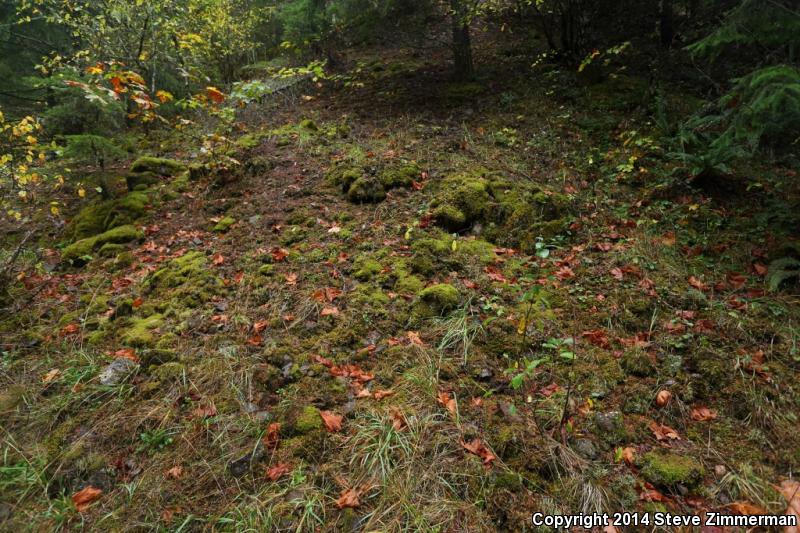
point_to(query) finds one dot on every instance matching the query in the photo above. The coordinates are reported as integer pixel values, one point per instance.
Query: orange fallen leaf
(663, 432)
(332, 421)
(84, 497)
(477, 447)
(663, 397)
(255, 340)
(215, 95)
(565, 273)
(627, 454)
(697, 284)
(260, 326)
(279, 254)
(446, 401)
(746, 508)
(760, 269)
(703, 414)
(329, 311)
(348, 498)
(278, 471)
(790, 490)
(617, 274)
(50, 376)
(272, 437)
(218, 259)
(69, 329)
(381, 394)
(174, 473)
(398, 420)
(291, 278)
(137, 302)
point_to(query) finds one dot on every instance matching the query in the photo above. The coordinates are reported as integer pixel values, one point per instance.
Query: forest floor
(416, 305)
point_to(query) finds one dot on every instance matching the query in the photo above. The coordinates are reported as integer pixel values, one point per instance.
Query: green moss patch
(115, 236)
(512, 213)
(224, 224)
(436, 300)
(666, 469)
(365, 185)
(141, 332)
(185, 281)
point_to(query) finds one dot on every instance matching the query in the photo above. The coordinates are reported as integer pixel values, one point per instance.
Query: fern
(766, 25)
(782, 270)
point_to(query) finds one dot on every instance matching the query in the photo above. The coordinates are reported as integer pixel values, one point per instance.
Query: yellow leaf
(82, 192)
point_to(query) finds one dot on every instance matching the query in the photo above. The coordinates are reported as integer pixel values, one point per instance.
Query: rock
(585, 448)
(242, 465)
(118, 235)
(667, 469)
(720, 470)
(611, 427)
(116, 371)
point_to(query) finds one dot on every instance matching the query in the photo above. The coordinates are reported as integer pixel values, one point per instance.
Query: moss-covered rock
(402, 176)
(224, 224)
(665, 469)
(102, 216)
(158, 165)
(309, 124)
(512, 213)
(308, 420)
(141, 331)
(366, 189)
(365, 267)
(111, 249)
(436, 300)
(169, 371)
(84, 247)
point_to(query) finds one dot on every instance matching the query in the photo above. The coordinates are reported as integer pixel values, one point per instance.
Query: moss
(478, 249)
(369, 299)
(169, 371)
(402, 176)
(308, 420)
(293, 235)
(111, 249)
(158, 165)
(366, 189)
(84, 247)
(124, 259)
(665, 469)
(436, 300)
(10, 398)
(509, 481)
(365, 268)
(309, 124)
(102, 216)
(409, 284)
(140, 331)
(450, 217)
(141, 180)
(224, 224)
(636, 362)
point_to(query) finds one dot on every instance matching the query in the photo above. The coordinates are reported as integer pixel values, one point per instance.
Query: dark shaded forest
(399, 265)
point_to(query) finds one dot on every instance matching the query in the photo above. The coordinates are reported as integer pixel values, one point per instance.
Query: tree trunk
(462, 47)
(665, 24)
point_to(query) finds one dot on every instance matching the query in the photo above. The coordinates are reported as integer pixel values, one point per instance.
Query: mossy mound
(368, 185)
(140, 332)
(308, 420)
(666, 469)
(224, 224)
(147, 171)
(103, 216)
(438, 251)
(365, 267)
(185, 281)
(85, 247)
(436, 300)
(511, 213)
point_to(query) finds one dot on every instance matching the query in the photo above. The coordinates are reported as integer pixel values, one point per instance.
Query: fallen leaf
(329, 311)
(790, 490)
(255, 340)
(278, 471)
(50, 376)
(703, 414)
(215, 95)
(279, 254)
(627, 455)
(697, 284)
(604, 246)
(746, 508)
(218, 259)
(83, 498)
(204, 411)
(398, 420)
(565, 272)
(617, 274)
(126, 353)
(760, 269)
(477, 447)
(332, 421)
(382, 393)
(414, 338)
(260, 326)
(663, 432)
(663, 397)
(272, 437)
(597, 337)
(446, 401)
(348, 499)
(174, 473)
(137, 303)
(69, 329)
(291, 278)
